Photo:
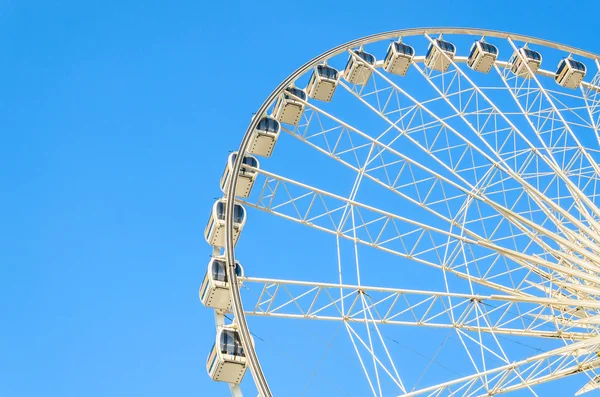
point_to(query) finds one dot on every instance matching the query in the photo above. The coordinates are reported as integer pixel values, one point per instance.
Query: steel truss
(500, 314)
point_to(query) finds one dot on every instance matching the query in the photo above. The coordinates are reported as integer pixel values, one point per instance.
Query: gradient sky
(116, 119)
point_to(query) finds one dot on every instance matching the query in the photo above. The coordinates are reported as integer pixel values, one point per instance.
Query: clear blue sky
(116, 119)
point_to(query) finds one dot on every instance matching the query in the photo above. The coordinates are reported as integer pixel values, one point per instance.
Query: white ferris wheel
(433, 194)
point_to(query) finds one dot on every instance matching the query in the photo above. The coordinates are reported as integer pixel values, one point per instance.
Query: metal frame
(505, 378)
(396, 306)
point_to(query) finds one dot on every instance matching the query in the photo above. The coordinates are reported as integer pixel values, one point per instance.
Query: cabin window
(472, 53)
(204, 289)
(268, 124)
(562, 67)
(238, 213)
(231, 344)
(429, 50)
(365, 57)
(248, 160)
(533, 55)
(489, 48)
(348, 63)
(327, 72)
(445, 46)
(251, 161)
(388, 55)
(404, 49)
(209, 226)
(577, 65)
(212, 355)
(220, 210)
(297, 92)
(224, 178)
(218, 271)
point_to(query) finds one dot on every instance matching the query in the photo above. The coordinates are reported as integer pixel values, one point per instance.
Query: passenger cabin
(522, 58)
(264, 137)
(214, 292)
(435, 58)
(323, 82)
(288, 108)
(227, 359)
(246, 175)
(398, 58)
(357, 71)
(570, 73)
(482, 56)
(215, 229)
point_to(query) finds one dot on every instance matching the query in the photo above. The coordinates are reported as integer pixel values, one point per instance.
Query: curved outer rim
(240, 318)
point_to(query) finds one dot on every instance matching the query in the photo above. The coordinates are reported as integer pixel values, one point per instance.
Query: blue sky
(116, 119)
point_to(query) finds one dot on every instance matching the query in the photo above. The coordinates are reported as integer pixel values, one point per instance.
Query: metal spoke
(499, 314)
(392, 233)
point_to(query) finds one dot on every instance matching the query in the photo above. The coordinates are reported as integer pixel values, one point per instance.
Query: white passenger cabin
(482, 56)
(227, 359)
(246, 175)
(570, 73)
(356, 71)
(323, 82)
(522, 58)
(264, 137)
(435, 58)
(215, 229)
(398, 58)
(288, 108)
(214, 292)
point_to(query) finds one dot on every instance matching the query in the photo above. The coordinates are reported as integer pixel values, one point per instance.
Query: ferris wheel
(433, 194)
